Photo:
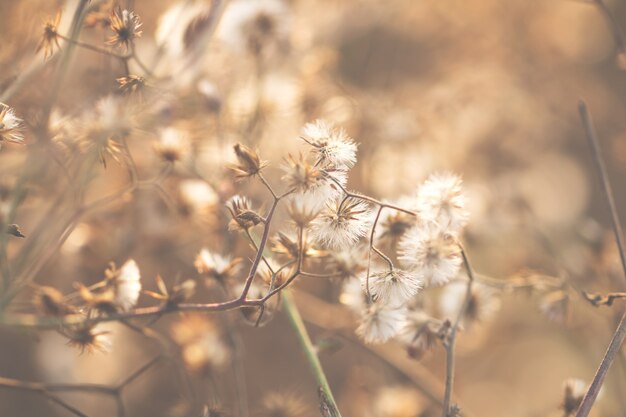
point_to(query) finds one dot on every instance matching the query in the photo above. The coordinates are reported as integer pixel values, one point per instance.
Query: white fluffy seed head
(332, 147)
(393, 287)
(440, 199)
(380, 322)
(127, 285)
(342, 223)
(432, 252)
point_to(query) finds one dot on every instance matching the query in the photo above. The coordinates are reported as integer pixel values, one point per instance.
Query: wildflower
(201, 343)
(50, 37)
(278, 404)
(574, 390)
(253, 26)
(352, 295)
(248, 162)
(482, 304)
(243, 217)
(342, 223)
(441, 200)
(102, 301)
(126, 27)
(211, 95)
(381, 322)
(85, 338)
(300, 175)
(348, 262)
(10, 126)
(420, 333)
(397, 401)
(392, 224)
(127, 284)
(276, 278)
(131, 83)
(302, 210)
(426, 248)
(332, 147)
(179, 293)
(52, 302)
(197, 197)
(217, 267)
(392, 286)
(172, 145)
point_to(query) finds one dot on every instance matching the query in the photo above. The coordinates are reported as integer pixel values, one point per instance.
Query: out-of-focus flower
(217, 267)
(352, 295)
(50, 37)
(483, 302)
(127, 284)
(432, 252)
(131, 83)
(289, 246)
(178, 294)
(420, 333)
(10, 126)
(87, 339)
(392, 286)
(380, 322)
(392, 224)
(332, 147)
(397, 401)
(441, 200)
(555, 305)
(341, 223)
(302, 210)
(172, 145)
(197, 197)
(254, 25)
(243, 216)
(574, 390)
(125, 26)
(51, 302)
(348, 262)
(277, 404)
(201, 343)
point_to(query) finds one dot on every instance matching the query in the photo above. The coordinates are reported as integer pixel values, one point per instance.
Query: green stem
(327, 401)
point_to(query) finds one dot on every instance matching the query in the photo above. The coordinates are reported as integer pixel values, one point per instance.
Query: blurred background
(486, 89)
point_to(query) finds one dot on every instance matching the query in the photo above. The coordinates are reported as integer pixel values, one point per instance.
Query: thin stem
(327, 400)
(620, 332)
(451, 340)
(93, 48)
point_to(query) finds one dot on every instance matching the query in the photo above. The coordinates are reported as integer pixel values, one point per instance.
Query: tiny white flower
(441, 200)
(216, 266)
(128, 285)
(431, 251)
(392, 287)
(381, 322)
(341, 223)
(332, 147)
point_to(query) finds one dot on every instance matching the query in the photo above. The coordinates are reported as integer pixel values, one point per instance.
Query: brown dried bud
(248, 162)
(51, 302)
(243, 217)
(14, 230)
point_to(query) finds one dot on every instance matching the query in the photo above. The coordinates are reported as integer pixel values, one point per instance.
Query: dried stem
(620, 332)
(451, 339)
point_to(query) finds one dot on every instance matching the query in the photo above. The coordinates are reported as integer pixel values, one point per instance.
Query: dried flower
(197, 197)
(420, 333)
(342, 223)
(441, 200)
(243, 217)
(127, 284)
(126, 27)
(392, 286)
(348, 262)
(87, 339)
(278, 404)
(102, 301)
(201, 343)
(574, 390)
(302, 210)
(131, 83)
(217, 267)
(248, 162)
(51, 302)
(50, 37)
(352, 295)
(432, 252)
(555, 305)
(172, 145)
(483, 302)
(392, 224)
(380, 322)
(332, 147)
(10, 126)
(179, 293)
(14, 230)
